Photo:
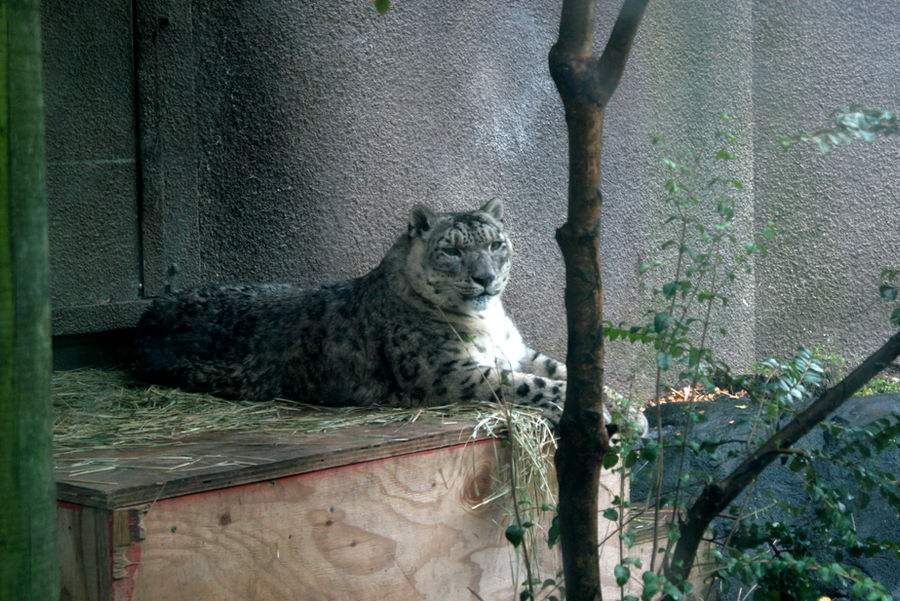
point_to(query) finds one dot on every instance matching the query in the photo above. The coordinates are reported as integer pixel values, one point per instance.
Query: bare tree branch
(585, 85)
(582, 78)
(612, 62)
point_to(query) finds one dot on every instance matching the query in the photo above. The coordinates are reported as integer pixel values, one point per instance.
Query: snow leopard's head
(459, 261)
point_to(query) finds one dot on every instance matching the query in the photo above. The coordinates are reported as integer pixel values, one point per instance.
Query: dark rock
(731, 420)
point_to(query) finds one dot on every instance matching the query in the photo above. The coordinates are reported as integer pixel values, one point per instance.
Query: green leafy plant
(855, 123)
(780, 549)
(783, 550)
(701, 254)
(881, 385)
(796, 548)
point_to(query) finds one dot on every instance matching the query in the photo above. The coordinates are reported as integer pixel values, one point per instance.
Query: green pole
(28, 560)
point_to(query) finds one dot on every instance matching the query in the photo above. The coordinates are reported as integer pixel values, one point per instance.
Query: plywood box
(399, 512)
(392, 512)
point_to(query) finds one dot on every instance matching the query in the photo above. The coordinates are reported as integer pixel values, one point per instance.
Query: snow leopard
(426, 327)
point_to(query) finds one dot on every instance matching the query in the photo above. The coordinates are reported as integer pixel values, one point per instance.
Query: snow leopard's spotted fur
(425, 327)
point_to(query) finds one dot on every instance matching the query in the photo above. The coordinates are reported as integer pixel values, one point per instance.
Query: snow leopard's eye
(497, 245)
(451, 251)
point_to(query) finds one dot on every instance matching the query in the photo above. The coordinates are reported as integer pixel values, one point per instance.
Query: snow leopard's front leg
(451, 380)
(531, 390)
(539, 364)
(489, 383)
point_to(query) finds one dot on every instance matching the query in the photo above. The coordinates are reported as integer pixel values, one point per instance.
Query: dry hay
(104, 409)
(98, 409)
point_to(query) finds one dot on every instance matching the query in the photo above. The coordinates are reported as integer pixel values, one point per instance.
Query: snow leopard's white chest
(500, 343)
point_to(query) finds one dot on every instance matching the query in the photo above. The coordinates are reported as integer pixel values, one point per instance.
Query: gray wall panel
(839, 214)
(91, 153)
(287, 141)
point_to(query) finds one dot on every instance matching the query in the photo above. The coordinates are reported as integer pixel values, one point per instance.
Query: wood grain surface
(123, 477)
(405, 528)
(370, 513)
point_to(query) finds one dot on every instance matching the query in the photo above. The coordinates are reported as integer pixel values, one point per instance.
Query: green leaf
(694, 357)
(661, 321)
(610, 460)
(725, 155)
(623, 574)
(651, 585)
(515, 534)
(674, 533)
(553, 532)
(634, 561)
(382, 6)
(887, 291)
(611, 514)
(664, 360)
(672, 591)
(630, 459)
(650, 451)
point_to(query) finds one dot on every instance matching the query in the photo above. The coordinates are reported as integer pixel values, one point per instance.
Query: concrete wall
(839, 214)
(92, 171)
(287, 141)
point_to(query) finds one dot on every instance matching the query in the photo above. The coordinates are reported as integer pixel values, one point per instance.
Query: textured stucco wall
(307, 130)
(323, 125)
(91, 161)
(839, 214)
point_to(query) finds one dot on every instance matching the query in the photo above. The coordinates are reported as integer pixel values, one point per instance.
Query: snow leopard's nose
(481, 270)
(483, 279)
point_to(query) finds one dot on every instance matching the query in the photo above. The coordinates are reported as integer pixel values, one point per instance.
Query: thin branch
(615, 55)
(576, 28)
(578, 74)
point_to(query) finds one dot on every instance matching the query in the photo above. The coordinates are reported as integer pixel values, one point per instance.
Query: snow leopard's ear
(494, 208)
(421, 220)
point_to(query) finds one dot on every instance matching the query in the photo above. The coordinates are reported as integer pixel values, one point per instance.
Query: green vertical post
(28, 556)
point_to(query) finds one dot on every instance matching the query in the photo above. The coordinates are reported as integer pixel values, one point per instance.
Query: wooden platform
(392, 512)
(400, 512)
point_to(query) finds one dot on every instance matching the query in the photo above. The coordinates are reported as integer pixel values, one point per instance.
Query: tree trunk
(585, 84)
(28, 562)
